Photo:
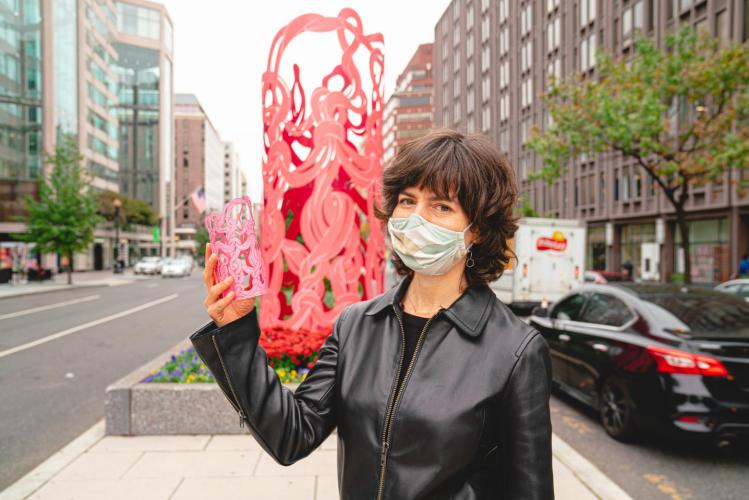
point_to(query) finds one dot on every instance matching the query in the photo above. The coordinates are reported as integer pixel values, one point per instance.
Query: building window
(504, 74)
(470, 70)
(553, 35)
(587, 12)
(485, 88)
(632, 20)
(588, 52)
(526, 94)
(456, 36)
(469, 46)
(456, 85)
(723, 29)
(470, 100)
(526, 56)
(469, 17)
(486, 118)
(503, 10)
(526, 19)
(484, 5)
(456, 60)
(504, 140)
(456, 111)
(445, 49)
(504, 41)
(551, 4)
(485, 29)
(504, 107)
(485, 58)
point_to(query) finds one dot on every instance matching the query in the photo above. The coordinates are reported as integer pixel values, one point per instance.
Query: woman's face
(445, 213)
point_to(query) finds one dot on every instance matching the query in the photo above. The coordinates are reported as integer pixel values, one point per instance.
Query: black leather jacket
(471, 421)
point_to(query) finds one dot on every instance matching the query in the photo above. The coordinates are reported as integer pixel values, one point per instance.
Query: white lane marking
(50, 306)
(87, 325)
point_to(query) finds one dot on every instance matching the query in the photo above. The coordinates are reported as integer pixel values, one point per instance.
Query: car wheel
(615, 406)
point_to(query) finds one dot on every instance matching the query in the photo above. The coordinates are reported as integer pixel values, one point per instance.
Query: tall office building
(83, 69)
(199, 163)
(408, 112)
(494, 58)
(144, 49)
(232, 173)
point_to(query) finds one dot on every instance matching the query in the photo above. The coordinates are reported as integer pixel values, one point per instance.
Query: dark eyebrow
(431, 197)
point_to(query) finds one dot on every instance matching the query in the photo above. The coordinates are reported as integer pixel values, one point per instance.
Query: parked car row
(653, 357)
(166, 267)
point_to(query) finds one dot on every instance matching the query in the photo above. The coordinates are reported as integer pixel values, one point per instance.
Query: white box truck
(550, 262)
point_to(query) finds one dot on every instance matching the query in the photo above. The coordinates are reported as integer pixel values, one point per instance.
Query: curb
(39, 476)
(49, 290)
(591, 476)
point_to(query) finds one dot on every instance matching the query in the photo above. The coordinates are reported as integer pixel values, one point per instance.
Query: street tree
(681, 112)
(64, 217)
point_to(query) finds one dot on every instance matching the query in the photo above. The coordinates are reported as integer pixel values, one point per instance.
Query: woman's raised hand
(225, 310)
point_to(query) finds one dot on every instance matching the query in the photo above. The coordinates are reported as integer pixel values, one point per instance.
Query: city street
(54, 390)
(652, 468)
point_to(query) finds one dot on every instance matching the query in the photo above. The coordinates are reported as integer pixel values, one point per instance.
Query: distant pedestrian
(629, 268)
(744, 266)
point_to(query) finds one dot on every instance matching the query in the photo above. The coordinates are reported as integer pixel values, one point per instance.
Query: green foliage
(635, 108)
(201, 238)
(64, 217)
(526, 209)
(133, 211)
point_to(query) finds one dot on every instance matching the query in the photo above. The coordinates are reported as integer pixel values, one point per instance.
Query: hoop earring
(470, 262)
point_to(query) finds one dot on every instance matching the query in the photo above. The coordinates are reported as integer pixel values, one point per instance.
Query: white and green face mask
(426, 247)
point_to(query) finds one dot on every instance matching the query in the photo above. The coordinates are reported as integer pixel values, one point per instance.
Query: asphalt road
(652, 468)
(53, 391)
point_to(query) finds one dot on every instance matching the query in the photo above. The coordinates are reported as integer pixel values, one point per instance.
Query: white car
(738, 287)
(148, 265)
(175, 267)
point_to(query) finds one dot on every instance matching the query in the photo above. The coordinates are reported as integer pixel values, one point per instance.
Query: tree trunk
(70, 269)
(681, 220)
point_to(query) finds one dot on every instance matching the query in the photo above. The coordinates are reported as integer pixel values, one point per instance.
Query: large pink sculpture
(323, 157)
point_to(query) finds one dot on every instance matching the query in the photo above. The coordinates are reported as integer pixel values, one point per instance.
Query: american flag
(198, 199)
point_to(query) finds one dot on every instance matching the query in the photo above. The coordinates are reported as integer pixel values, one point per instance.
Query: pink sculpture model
(233, 239)
(323, 158)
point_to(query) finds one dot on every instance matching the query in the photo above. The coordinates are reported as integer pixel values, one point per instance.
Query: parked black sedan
(653, 357)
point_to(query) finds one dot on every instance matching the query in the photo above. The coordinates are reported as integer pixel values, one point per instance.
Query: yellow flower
(281, 372)
(304, 375)
(293, 374)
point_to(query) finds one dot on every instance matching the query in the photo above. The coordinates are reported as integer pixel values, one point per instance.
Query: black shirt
(413, 325)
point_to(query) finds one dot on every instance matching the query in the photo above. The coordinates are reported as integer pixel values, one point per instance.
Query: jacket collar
(469, 313)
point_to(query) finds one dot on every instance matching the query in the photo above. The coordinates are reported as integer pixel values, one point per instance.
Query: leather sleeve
(526, 461)
(287, 425)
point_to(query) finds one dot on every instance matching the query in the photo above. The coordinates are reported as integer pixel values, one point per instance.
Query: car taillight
(686, 363)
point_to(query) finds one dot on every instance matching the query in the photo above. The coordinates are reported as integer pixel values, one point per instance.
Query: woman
(437, 390)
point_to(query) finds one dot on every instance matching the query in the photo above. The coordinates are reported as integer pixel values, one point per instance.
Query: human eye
(447, 208)
(404, 199)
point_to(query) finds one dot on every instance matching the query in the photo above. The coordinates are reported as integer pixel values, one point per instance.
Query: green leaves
(64, 217)
(681, 111)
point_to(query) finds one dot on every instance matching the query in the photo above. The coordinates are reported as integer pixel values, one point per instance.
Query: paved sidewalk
(95, 466)
(60, 282)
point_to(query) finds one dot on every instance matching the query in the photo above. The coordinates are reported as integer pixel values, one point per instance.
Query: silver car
(738, 287)
(148, 265)
(175, 267)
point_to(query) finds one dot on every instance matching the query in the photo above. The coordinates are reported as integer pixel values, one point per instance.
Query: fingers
(210, 264)
(217, 309)
(216, 290)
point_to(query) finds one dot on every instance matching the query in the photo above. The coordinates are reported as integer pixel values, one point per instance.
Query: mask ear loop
(469, 262)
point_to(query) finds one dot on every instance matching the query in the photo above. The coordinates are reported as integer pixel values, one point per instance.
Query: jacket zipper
(393, 405)
(231, 387)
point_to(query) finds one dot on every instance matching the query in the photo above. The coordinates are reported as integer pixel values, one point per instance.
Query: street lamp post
(117, 205)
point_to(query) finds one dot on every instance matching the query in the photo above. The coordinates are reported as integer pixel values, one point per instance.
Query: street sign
(156, 236)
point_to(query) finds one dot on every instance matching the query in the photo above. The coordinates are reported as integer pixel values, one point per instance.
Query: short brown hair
(484, 183)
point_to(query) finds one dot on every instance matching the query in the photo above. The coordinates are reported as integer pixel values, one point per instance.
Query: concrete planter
(133, 408)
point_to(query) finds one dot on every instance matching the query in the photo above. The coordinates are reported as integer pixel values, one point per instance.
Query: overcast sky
(221, 48)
